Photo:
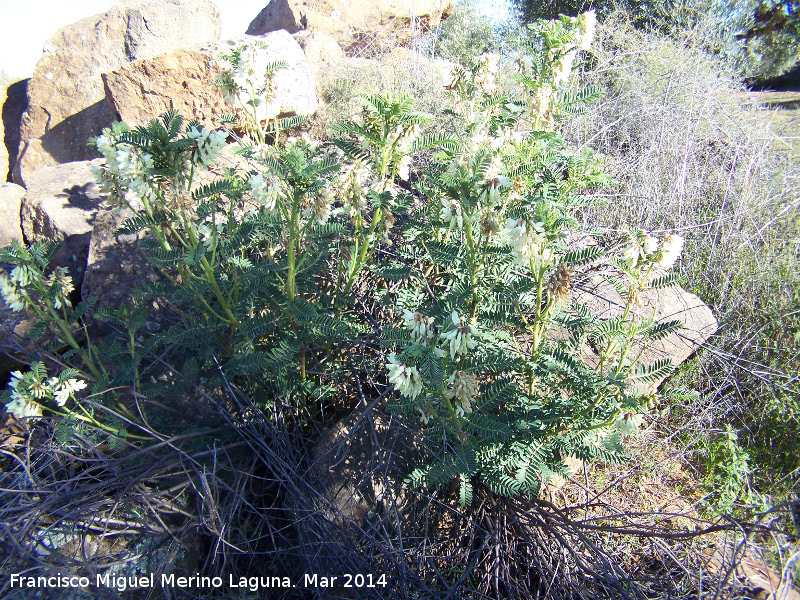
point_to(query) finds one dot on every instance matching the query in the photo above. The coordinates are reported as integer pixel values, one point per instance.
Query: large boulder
(10, 202)
(60, 205)
(295, 86)
(66, 94)
(181, 79)
(14, 100)
(342, 18)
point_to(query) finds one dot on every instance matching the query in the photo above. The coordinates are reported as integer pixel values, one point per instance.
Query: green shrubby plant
(491, 351)
(48, 299)
(251, 252)
(487, 268)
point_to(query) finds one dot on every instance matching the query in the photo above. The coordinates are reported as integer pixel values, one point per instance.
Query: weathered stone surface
(115, 264)
(10, 203)
(66, 94)
(60, 205)
(14, 102)
(342, 18)
(320, 49)
(295, 86)
(144, 89)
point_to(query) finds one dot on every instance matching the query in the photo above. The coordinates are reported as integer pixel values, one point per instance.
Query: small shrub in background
(756, 38)
(465, 35)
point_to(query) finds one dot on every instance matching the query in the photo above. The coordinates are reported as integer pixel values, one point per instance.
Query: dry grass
(696, 154)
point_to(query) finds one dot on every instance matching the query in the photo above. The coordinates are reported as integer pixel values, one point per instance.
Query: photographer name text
(121, 583)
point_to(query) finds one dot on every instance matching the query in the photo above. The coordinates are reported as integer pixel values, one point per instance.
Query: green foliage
(465, 35)
(728, 475)
(268, 269)
(503, 398)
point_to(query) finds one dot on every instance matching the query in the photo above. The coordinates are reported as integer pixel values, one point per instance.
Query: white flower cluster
(628, 423)
(406, 380)
(21, 276)
(125, 164)
(402, 140)
(640, 249)
(22, 408)
(451, 213)
(352, 182)
(320, 205)
(63, 390)
(527, 239)
(60, 277)
(586, 23)
(27, 390)
(488, 65)
(421, 326)
(209, 233)
(460, 337)
(495, 180)
(646, 247)
(210, 145)
(11, 295)
(671, 249)
(463, 387)
(265, 190)
(11, 288)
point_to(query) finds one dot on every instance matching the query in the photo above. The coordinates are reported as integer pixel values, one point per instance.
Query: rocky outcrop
(14, 100)
(66, 94)
(181, 79)
(342, 18)
(60, 205)
(10, 203)
(295, 86)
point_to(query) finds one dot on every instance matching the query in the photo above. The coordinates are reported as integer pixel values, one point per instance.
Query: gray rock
(115, 264)
(60, 205)
(669, 304)
(66, 95)
(10, 205)
(14, 100)
(342, 18)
